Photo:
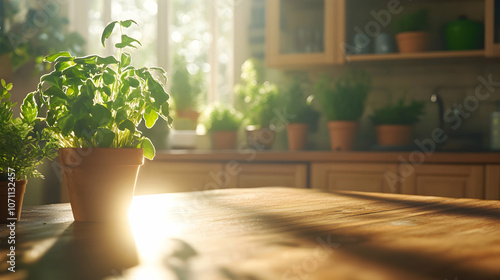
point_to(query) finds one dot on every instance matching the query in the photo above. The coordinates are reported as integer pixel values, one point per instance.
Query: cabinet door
(443, 180)
(303, 33)
(491, 28)
(492, 184)
(168, 177)
(269, 175)
(354, 177)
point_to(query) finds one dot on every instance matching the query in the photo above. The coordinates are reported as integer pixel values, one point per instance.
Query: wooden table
(264, 233)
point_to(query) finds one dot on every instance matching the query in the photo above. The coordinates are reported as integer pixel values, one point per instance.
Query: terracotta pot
(342, 134)
(412, 42)
(260, 139)
(17, 198)
(188, 114)
(6, 72)
(394, 135)
(297, 134)
(224, 140)
(100, 181)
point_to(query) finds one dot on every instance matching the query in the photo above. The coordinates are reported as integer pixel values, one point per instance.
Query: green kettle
(464, 34)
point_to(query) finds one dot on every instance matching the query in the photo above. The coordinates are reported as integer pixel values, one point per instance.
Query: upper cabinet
(303, 33)
(306, 33)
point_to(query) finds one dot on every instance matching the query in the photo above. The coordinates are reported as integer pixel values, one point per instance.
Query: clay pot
(17, 200)
(224, 140)
(188, 114)
(412, 42)
(394, 135)
(100, 181)
(297, 134)
(342, 134)
(260, 139)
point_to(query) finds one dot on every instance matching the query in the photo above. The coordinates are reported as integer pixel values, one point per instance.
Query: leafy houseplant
(343, 102)
(223, 122)
(410, 31)
(94, 105)
(394, 122)
(23, 147)
(303, 115)
(257, 99)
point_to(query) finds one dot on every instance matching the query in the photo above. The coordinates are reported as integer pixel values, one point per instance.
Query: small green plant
(299, 106)
(399, 113)
(257, 99)
(344, 99)
(186, 89)
(411, 21)
(222, 117)
(95, 101)
(24, 145)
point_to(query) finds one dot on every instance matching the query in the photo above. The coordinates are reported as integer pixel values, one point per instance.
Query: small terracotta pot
(342, 134)
(412, 42)
(224, 140)
(394, 135)
(188, 114)
(15, 205)
(297, 134)
(260, 139)
(100, 181)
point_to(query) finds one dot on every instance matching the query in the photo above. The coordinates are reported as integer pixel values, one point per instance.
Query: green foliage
(26, 40)
(411, 21)
(222, 117)
(257, 99)
(299, 107)
(344, 99)
(187, 89)
(23, 143)
(399, 113)
(95, 101)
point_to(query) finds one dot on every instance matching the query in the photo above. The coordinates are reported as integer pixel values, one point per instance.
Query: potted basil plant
(223, 122)
(24, 145)
(394, 122)
(94, 107)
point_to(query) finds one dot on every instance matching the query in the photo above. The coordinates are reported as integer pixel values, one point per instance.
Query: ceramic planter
(100, 181)
(342, 134)
(224, 140)
(394, 135)
(297, 134)
(260, 139)
(412, 42)
(5, 204)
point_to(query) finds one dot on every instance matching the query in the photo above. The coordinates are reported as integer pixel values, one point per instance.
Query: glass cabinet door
(492, 28)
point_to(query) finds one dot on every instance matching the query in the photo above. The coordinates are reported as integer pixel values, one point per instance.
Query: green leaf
(127, 42)
(91, 60)
(4, 84)
(107, 32)
(52, 79)
(63, 65)
(150, 117)
(108, 78)
(127, 124)
(29, 109)
(54, 91)
(128, 23)
(126, 59)
(133, 82)
(149, 149)
(66, 124)
(101, 114)
(106, 60)
(165, 113)
(53, 57)
(121, 115)
(106, 91)
(104, 137)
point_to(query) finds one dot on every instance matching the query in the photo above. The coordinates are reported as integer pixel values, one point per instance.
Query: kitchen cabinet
(353, 177)
(448, 180)
(264, 175)
(340, 20)
(492, 184)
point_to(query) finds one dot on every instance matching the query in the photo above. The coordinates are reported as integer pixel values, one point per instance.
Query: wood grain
(266, 233)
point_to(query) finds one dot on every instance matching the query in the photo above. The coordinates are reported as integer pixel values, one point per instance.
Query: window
(199, 30)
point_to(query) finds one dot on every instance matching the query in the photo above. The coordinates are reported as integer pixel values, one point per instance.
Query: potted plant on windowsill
(303, 116)
(394, 122)
(258, 100)
(94, 106)
(411, 34)
(223, 122)
(23, 147)
(343, 102)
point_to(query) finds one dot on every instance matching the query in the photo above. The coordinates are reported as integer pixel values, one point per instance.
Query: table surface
(264, 233)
